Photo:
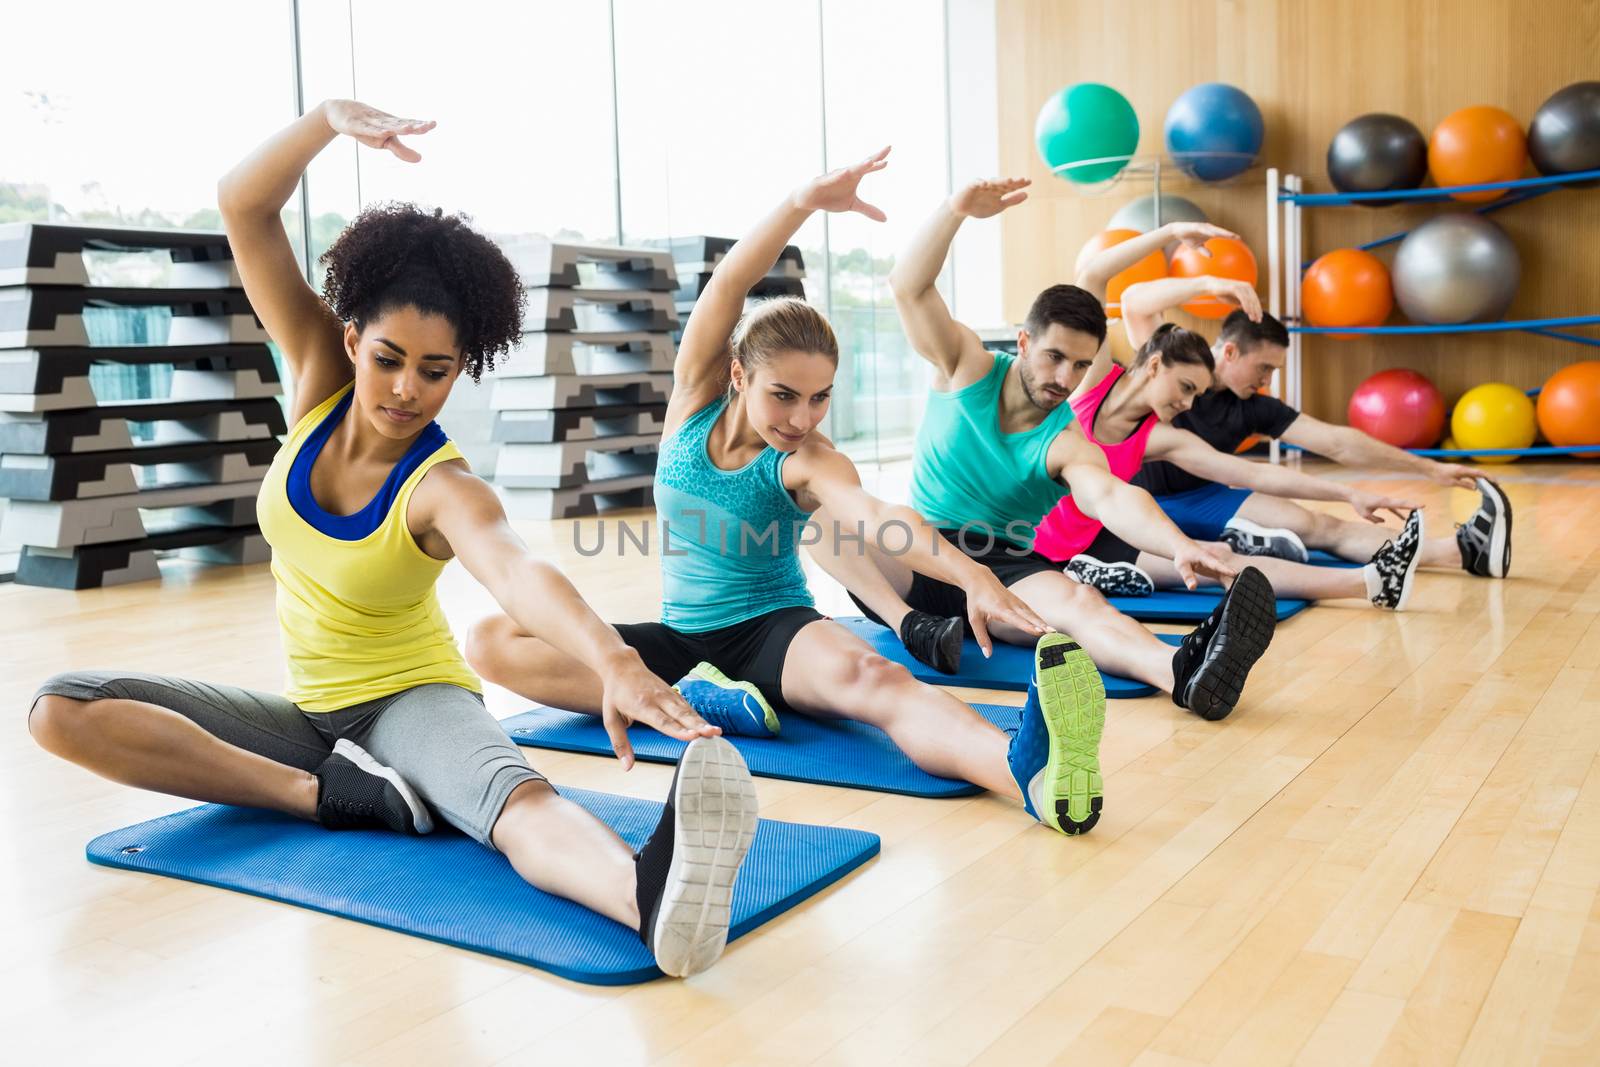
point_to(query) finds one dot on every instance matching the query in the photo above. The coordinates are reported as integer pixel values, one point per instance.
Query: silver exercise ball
(1456, 268)
(1140, 214)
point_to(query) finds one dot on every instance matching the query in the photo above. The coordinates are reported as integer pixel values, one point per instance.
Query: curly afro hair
(397, 255)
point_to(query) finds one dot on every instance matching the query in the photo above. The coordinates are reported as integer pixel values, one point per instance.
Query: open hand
(374, 128)
(982, 199)
(632, 694)
(836, 190)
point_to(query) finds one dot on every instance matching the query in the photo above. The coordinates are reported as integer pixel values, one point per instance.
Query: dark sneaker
(737, 707)
(355, 791)
(933, 639)
(1112, 579)
(1249, 539)
(1393, 569)
(1485, 539)
(1055, 753)
(1210, 666)
(685, 872)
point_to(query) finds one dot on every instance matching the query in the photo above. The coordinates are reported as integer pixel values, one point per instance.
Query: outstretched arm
(465, 511)
(251, 197)
(824, 476)
(1096, 273)
(935, 334)
(1351, 447)
(702, 363)
(1198, 458)
(1144, 304)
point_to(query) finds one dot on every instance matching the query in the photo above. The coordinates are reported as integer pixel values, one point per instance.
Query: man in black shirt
(1247, 353)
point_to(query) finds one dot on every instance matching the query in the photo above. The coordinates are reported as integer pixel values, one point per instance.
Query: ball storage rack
(1287, 201)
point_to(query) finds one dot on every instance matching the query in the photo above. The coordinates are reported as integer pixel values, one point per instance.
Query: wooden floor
(1390, 853)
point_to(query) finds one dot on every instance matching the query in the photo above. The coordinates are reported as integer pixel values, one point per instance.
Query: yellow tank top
(360, 618)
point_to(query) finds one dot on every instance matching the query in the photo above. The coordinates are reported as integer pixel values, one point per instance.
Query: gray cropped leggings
(440, 738)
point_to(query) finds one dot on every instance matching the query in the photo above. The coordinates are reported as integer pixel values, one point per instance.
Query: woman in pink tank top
(1128, 414)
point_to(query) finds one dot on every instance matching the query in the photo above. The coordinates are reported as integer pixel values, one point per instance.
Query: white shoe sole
(363, 759)
(1499, 529)
(714, 820)
(1272, 533)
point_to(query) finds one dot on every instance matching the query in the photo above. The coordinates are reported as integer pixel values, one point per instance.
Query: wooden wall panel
(1312, 65)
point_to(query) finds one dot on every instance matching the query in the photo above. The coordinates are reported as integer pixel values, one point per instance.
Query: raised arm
(1198, 458)
(1144, 304)
(701, 368)
(822, 476)
(1351, 447)
(251, 197)
(954, 349)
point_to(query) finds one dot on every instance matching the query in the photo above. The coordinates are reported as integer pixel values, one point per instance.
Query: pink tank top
(1066, 531)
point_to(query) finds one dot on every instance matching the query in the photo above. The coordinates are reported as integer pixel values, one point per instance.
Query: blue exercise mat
(1175, 605)
(447, 887)
(1010, 668)
(823, 751)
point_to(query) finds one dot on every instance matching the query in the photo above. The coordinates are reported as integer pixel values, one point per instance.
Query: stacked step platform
(98, 486)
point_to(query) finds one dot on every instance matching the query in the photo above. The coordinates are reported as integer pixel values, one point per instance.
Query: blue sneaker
(1055, 754)
(737, 707)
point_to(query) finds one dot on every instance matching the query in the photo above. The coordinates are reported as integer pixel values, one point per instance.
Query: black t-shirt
(1225, 422)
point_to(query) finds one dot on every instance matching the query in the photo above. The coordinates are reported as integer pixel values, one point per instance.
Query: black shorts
(749, 651)
(1107, 547)
(1008, 562)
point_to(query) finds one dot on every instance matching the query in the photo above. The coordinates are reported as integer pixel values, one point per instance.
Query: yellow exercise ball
(1493, 415)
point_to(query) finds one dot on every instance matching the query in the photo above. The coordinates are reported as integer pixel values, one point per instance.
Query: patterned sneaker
(1485, 539)
(685, 872)
(1249, 539)
(1210, 666)
(1393, 570)
(355, 792)
(1112, 579)
(933, 639)
(1055, 753)
(737, 707)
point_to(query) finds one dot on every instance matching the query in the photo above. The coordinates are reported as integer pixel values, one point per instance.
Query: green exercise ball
(1086, 121)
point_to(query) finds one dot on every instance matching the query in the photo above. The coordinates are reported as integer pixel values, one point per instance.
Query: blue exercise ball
(1214, 131)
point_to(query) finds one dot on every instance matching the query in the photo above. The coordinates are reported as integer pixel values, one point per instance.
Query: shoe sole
(1296, 553)
(420, 816)
(1244, 630)
(1072, 700)
(1409, 580)
(1112, 579)
(706, 672)
(714, 820)
(1499, 532)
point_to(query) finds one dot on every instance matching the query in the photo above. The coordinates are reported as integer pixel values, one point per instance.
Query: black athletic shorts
(749, 651)
(1107, 547)
(1008, 562)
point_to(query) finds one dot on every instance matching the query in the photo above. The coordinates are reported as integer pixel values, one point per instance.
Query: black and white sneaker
(1210, 666)
(1112, 579)
(933, 639)
(685, 872)
(1393, 569)
(1485, 539)
(355, 791)
(1250, 539)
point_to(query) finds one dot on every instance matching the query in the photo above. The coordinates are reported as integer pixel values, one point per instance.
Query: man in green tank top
(997, 449)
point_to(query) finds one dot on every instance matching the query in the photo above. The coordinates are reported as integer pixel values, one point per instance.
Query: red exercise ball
(1399, 407)
(1228, 259)
(1569, 406)
(1477, 145)
(1347, 287)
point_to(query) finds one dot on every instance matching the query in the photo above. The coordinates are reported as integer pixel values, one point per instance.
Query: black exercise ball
(1375, 153)
(1564, 136)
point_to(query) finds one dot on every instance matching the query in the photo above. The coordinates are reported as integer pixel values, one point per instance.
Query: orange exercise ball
(1569, 406)
(1347, 287)
(1477, 145)
(1229, 259)
(1148, 269)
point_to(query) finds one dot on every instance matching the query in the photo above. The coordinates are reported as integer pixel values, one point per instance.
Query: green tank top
(966, 473)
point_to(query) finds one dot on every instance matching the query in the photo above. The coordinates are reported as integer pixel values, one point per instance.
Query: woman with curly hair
(364, 505)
